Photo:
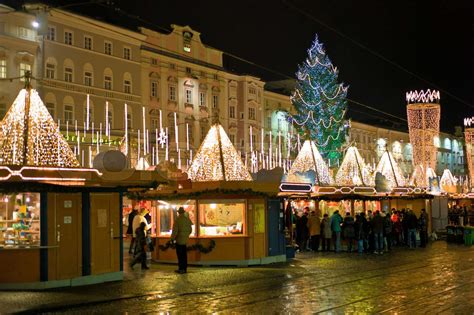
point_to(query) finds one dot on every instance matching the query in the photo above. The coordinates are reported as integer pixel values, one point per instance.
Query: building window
(51, 33)
(155, 123)
(91, 112)
(154, 89)
(88, 42)
(68, 114)
(204, 129)
(172, 66)
(107, 82)
(189, 96)
(127, 86)
(51, 109)
(50, 70)
(188, 70)
(202, 99)
(251, 113)
(252, 91)
(167, 215)
(3, 68)
(215, 77)
(88, 78)
(172, 93)
(23, 32)
(127, 53)
(232, 138)
(129, 120)
(107, 48)
(110, 116)
(68, 74)
(3, 110)
(215, 101)
(68, 38)
(154, 61)
(24, 67)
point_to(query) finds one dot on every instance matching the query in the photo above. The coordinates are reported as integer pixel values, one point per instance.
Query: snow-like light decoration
(390, 169)
(309, 159)
(217, 159)
(448, 181)
(421, 176)
(29, 135)
(142, 164)
(427, 96)
(353, 170)
(423, 125)
(468, 122)
(469, 138)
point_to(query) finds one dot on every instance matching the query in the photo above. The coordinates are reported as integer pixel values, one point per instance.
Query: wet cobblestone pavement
(438, 279)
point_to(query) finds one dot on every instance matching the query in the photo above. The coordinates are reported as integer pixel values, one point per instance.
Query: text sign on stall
(469, 122)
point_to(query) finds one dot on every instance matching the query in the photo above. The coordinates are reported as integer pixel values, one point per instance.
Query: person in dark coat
(359, 230)
(377, 230)
(411, 224)
(423, 225)
(140, 244)
(387, 231)
(302, 231)
(131, 215)
(326, 233)
(348, 230)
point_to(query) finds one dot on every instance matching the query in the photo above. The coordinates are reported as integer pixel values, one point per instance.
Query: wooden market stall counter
(62, 233)
(234, 223)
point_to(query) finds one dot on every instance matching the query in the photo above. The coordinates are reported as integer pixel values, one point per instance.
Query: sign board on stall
(67, 203)
(67, 219)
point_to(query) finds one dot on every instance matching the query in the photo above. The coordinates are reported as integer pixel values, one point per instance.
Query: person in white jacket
(139, 219)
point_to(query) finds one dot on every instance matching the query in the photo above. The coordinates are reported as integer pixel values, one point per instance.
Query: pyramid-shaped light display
(448, 181)
(309, 159)
(420, 177)
(217, 159)
(389, 168)
(29, 135)
(353, 170)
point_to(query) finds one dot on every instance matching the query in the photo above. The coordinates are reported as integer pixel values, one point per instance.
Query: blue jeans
(378, 238)
(412, 238)
(360, 246)
(337, 245)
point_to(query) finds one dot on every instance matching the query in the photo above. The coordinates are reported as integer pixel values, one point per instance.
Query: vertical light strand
(88, 111)
(126, 128)
(176, 131)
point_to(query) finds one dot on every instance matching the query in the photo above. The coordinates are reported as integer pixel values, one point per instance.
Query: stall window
(222, 217)
(19, 220)
(168, 212)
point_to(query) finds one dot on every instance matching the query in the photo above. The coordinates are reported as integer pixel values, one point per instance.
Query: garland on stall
(198, 247)
(192, 195)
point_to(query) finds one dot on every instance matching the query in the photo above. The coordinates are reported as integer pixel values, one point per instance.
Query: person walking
(423, 225)
(314, 227)
(326, 232)
(140, 246)
(377, 230)
(182, 228)
(336, 222)
(348, 231)
(412, 224)
(131, 215)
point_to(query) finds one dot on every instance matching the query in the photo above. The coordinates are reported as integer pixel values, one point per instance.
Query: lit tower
(423, 111)
(469, 136)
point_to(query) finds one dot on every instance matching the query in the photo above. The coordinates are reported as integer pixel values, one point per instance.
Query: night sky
(432, 39)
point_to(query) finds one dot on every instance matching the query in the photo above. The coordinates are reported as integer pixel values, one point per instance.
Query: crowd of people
(458, 215)
(375, 232)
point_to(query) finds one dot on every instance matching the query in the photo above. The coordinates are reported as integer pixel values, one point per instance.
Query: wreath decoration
(197, 246)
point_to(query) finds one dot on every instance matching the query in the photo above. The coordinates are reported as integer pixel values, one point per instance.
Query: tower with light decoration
(29, 135)
(469, 138)
(320, 102)
(423, 111)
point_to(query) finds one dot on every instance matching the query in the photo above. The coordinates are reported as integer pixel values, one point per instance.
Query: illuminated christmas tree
(217, 159)
(353, 170)
(389, 168)
(29, 135)
(320, 102)
(309, 159)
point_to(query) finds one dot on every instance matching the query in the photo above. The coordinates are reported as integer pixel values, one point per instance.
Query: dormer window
(187, 37)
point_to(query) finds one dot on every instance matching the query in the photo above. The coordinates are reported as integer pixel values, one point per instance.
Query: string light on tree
(318, 94)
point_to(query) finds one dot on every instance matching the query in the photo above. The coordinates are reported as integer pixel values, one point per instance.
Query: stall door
(105, 232)
(68, 236)
(259, 242)
(276, 239)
